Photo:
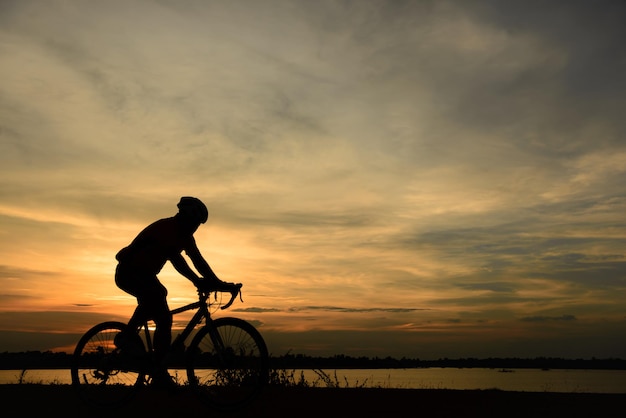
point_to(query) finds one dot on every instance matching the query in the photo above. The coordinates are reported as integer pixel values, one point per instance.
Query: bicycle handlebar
(233, 288)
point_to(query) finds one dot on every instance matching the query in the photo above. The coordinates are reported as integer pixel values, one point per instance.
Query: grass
(23, 380)
(289, 378)
(21, 377)
(277, 378)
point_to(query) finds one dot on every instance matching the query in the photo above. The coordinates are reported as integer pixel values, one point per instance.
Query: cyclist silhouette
(141, 261)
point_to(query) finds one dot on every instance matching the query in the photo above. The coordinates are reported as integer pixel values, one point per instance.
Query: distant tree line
(299, 361)
(54, 360)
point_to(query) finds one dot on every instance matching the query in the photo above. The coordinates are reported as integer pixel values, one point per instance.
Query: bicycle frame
(202, 312)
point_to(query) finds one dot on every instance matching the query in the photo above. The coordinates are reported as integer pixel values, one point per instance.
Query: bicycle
(227, 361)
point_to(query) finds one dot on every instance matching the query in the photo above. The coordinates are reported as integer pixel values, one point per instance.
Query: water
(524, 380)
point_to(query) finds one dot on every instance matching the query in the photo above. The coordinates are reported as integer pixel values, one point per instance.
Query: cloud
(463, 157)
(11, 298)
(490, 286)
(351, 310)
(16, 341)
(256, 310)
(78, 321)
(16, 273)
(549, 318)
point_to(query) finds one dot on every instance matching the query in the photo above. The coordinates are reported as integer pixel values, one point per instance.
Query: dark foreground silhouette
(51, 401)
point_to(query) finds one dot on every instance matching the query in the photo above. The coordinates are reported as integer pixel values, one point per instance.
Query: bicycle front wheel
(103, 374)
(228, 363)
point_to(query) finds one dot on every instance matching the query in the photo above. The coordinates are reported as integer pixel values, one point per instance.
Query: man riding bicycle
(141, 261)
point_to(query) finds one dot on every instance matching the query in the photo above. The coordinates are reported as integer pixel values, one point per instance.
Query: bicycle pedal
(129, 344)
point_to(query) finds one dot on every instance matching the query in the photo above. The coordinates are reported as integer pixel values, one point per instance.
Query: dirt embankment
(51, 401)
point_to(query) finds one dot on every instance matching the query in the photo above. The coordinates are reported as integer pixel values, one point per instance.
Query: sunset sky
(387, 178)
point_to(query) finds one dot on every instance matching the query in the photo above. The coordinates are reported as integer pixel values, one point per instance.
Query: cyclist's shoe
(129, 344)
(161, 379)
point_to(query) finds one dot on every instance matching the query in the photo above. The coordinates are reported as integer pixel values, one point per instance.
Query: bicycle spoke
(228, 364)
(103, 374)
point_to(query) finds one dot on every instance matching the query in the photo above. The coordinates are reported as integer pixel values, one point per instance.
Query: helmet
(193, 208)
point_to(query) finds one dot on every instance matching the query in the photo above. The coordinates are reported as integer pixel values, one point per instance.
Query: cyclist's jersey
(157, 244)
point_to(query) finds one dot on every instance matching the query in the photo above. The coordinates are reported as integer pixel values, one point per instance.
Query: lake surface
(523, 380)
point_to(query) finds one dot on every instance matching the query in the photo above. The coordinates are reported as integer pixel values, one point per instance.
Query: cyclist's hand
(216, 285)
(205, 285)
(235, 289)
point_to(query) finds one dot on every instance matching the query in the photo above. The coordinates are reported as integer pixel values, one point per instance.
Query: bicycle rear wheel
(228, 364)
(103, 374)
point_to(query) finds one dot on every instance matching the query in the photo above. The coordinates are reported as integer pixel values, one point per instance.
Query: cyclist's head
(193, 209)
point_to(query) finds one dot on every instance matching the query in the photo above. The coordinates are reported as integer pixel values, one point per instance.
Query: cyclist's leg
(145, 288)
(153, 303)
(130, 281)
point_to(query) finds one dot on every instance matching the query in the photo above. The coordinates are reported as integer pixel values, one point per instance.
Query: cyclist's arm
(183, 268)
(208, 276)
(201, 264)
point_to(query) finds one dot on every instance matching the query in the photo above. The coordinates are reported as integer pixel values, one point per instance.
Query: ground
(51, 401)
